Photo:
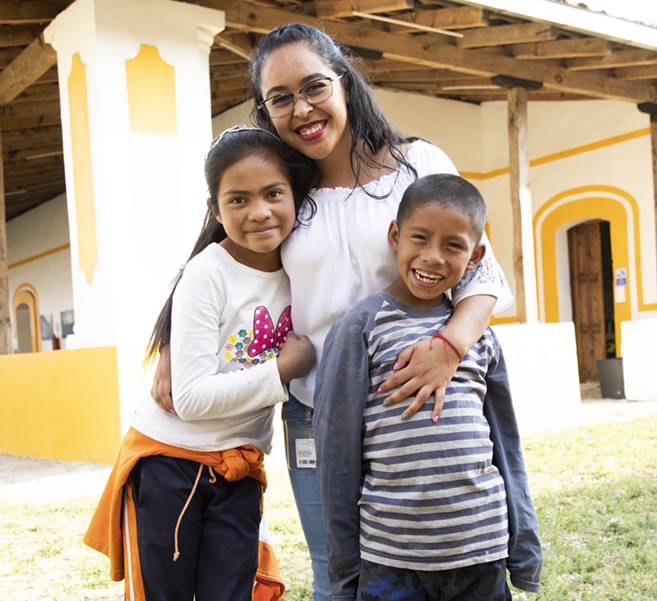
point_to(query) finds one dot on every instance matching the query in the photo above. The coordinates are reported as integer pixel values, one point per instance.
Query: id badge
(299, 444)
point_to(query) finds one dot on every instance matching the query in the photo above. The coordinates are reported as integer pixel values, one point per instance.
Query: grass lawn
(595, 489)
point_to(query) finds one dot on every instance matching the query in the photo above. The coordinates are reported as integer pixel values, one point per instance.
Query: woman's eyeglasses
(313, 93)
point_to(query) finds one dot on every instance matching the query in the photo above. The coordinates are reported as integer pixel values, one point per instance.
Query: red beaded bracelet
(447, 342)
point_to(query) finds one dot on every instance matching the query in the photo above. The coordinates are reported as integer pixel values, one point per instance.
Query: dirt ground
(29, 480)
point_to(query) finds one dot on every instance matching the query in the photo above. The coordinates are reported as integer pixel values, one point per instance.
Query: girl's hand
(161, 388)
(296, 358)
(425, 368)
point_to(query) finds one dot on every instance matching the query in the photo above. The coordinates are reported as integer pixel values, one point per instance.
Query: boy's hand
(161, 388)
(422, 369)
(296, 358)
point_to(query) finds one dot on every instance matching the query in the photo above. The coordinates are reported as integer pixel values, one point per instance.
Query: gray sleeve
(340, 395)
(525, 552)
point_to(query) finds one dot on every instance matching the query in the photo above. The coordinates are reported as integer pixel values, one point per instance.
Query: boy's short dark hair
(450, 191)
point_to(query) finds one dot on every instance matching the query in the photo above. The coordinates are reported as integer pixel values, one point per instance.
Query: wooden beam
(503, 35)
(651, 109)
(653, 140)
(230, 95)
(31, 121)
(335, 9)
(9, 55)
(221, 56)
(514, 82)
(408, 26)
(29, 109)
(412, 75)
(29, 11)
(17, 154)
(634, 73)
(586, 47)
(19, 35)
(451, 19)
(434, 51)
(521, 207)
(31, 64)
(620, 58)
(463, 17)
(5, 305)
(241, 50)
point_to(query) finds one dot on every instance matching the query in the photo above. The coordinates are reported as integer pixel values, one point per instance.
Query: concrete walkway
(28, 480)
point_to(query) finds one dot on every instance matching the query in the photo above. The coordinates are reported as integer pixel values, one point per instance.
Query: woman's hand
(161, 388)
(296, 358)
(428, 366)
(424, 368)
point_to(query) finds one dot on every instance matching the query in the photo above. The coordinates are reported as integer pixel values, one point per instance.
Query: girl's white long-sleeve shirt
(227, 321)
(342, 254)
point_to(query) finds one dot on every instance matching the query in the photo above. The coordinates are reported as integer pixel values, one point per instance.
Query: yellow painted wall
(62, 405)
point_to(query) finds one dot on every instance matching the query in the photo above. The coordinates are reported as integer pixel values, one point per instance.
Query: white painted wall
(542, 364)
(639, 359)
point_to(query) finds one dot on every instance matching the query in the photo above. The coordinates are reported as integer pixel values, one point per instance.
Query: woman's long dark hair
(227, 149)
(370, 129)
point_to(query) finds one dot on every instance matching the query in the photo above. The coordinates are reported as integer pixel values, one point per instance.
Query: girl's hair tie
(236, 129)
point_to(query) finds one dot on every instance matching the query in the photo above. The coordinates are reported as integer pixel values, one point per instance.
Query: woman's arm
(427, 367)
(161, 388)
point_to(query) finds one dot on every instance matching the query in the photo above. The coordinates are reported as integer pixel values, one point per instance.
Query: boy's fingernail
(379, 389)
(434, 419)
(404, 417)
(394, 367)
(173, 411)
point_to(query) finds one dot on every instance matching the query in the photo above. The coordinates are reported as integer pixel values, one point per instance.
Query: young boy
(422, 509)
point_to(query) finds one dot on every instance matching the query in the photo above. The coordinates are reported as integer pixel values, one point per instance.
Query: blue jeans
(481, 582)
(297, 419)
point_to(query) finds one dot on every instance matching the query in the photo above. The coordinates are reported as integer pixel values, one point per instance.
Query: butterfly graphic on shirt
(265, 335)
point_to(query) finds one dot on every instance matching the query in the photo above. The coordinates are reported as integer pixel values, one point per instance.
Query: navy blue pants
(217, 538)
(482, 582)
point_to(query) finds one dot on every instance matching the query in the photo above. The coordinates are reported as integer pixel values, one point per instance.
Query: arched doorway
(27, 327)
(611, 216)
(591, 285)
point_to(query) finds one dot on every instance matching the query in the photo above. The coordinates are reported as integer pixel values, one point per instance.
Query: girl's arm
(427, 367)
(294, 361)
(211, 373)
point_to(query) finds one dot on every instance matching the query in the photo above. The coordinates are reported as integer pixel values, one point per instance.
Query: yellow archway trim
(27, 294)
(583, 203)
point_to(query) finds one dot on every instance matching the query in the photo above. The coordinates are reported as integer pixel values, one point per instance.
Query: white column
(136, 123)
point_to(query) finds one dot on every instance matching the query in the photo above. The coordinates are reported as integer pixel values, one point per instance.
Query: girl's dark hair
(370, 129)
(233, 145)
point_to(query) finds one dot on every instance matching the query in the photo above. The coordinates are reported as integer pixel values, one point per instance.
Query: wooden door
(587, 290)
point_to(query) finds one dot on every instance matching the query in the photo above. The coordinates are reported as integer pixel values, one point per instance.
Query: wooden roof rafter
(452, 49)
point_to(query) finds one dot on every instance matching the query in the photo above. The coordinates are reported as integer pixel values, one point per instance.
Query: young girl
(180, 515)
(307, 89)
